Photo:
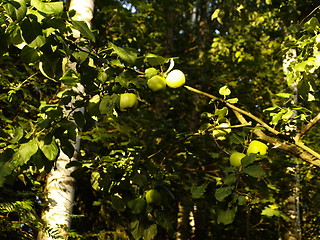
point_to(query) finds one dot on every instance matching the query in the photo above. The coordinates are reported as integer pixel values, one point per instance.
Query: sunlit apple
(175, 79)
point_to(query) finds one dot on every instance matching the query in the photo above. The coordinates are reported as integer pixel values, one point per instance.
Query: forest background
(251, 72)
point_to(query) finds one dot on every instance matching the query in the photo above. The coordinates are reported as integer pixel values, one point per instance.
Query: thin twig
(307, 127)
(309, 14)
(248, 114)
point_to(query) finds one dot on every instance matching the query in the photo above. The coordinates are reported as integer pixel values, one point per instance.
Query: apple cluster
(174, 79)
(255, 147)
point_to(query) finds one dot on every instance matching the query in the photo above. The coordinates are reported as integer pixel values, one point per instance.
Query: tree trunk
(294, 231)
(60, 186)
(183, 226)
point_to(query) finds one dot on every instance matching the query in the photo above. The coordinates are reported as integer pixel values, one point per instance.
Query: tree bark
(183, 226)
(60, 186)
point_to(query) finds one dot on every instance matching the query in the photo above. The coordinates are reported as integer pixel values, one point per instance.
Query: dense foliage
(175, 141)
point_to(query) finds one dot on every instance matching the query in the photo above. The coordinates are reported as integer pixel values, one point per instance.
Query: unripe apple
(156, 83)
(258, 147)
(235, 158)
(220, 134)
(153, 197)
(175, 78)
(127, 100)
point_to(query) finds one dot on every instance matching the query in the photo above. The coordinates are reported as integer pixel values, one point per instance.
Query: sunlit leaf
(24, 153)
(83, 28)
(284, 95)
(16, 9)
(125, 54)
(48, 7)
(215, 14)
(49, 148)
(225, 91)
(155, 60)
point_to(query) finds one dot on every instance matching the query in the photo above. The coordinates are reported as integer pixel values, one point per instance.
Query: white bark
(60, 186)
(294, 231)
(59, 199)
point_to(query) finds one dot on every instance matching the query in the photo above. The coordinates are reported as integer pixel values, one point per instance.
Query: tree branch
(258, 120)
(297, 148)
(307, 127)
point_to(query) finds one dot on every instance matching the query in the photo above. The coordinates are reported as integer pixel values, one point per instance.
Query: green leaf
(137, 229)
(226, 216)
(71, 129)
(51, 65)
(150, 72)
(15, 34)
(238, 54)
(277, 116)
(312, 24)
(29, 55)
(25, 152)
(66, 147)
(270, 109)
(225, 91)
(49, 148)
(198, 191)
(223, 192)
(247, 160)
(254, 171)
(16, 9)
(95, 177)
(69, 78)
(108, 104)
(150, 232)
(270, 212)
(118, 203)
(38, 42)
(139, 179)
(155, 60)
(79, 119)
(288, 115)
(31, 30)
(230, 179)
(17, 135)
(232, 100)
(83, 28)
(126, 55)
(221, 113)
(303, 89)
(284, 95)
(242, 200)
(48, 7)
(137, 205)
(215, 14)
(80, 57)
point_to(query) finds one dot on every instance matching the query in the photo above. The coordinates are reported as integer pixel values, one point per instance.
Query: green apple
(153, 197)
(157, 83)
(220, 134)
(258, 147)
(175, 78)
(235, 158)
(128, 100)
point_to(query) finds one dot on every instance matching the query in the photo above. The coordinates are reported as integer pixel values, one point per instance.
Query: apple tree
(167, 102)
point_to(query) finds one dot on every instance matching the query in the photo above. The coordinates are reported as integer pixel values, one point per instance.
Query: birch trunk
(60, 186)
(294, 231)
